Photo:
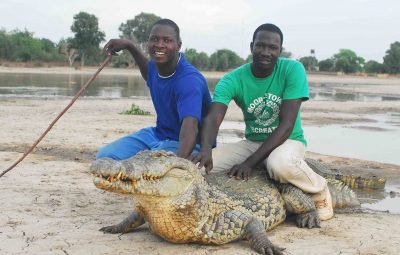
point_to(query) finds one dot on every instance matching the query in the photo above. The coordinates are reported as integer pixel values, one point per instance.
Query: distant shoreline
(312, 77)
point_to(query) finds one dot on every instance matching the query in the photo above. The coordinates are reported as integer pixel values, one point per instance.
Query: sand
(49, 204)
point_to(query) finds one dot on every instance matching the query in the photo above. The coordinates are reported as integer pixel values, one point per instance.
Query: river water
(66, 85)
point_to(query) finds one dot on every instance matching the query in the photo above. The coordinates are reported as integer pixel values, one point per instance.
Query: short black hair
(170, 23)
(271, 28)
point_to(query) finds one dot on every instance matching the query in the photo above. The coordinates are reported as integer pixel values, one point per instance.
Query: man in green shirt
(269, 92)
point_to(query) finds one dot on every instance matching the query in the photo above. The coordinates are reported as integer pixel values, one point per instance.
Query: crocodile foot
(258, 239)
(133, 221)
(113, 229)
(262, 245)
(308, 220)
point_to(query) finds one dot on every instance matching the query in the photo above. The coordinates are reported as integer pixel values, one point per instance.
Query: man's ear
(251, 47)
(179, 45)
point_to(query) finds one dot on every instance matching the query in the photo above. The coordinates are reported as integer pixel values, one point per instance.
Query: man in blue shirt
(178, 90)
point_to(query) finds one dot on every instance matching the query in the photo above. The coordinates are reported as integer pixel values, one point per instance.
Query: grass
(135, 110)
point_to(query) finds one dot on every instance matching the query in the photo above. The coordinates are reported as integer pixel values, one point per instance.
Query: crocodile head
(151, 173)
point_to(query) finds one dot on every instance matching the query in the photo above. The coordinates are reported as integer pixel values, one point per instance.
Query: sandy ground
(50, 206)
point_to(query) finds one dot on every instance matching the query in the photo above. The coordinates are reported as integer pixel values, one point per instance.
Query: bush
(135, 110)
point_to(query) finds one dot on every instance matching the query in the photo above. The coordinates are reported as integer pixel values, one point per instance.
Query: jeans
(130, 145)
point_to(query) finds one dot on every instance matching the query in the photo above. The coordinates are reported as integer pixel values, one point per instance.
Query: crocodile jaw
(152, 177)
(175, 182)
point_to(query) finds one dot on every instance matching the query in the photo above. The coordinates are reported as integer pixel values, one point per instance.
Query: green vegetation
(22, 46)
(138, 28)
(70, 53)
(310, 63)
(373, 66)
(135, 110)
(224, 59)
(326, 65)
(391, 61)
(199, 60)
(347, 61)
(87, 37)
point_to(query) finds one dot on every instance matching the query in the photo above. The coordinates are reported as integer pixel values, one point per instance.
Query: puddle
(342, 97)
(377, 141)
(325, 93)
(351, 142)
(387, 200)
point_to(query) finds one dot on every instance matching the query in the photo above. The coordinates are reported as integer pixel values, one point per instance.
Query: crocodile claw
(113, 229)
(267, 248)
(308, 220)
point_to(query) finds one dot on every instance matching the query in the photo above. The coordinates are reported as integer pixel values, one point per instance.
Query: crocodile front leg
(257, 236)
(127, 225)
(302, 205)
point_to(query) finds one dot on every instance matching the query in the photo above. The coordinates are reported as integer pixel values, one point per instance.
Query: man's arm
(288, 115)
(209, 133)
(116, 45)
(187, 136)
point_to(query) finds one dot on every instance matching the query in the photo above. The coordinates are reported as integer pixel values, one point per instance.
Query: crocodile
(353, 181)
(182, 205)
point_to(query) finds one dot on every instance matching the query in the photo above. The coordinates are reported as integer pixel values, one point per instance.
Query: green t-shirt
(260, 98)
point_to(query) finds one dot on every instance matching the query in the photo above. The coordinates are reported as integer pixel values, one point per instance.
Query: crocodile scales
(183, 206)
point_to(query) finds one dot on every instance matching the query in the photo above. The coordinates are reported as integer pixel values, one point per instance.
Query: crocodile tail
(342, 195)
(353, 181)
(358, 182)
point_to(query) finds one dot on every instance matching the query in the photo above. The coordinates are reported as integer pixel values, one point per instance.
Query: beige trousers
(285, 164)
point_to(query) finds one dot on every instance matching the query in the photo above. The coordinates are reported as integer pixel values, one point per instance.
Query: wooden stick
(59, 115)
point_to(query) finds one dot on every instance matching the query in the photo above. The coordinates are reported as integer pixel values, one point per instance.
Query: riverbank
(50, 206)
(313, 77)
(388, 85)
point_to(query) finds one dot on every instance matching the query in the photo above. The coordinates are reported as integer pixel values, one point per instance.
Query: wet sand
(50, 206)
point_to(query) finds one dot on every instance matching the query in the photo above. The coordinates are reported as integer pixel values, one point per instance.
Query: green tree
(285, 53)
(65, 48)
(373, 66)
(49, 51)
(347, 61)
(326, 65)
(310, 63)
(124, 59)
(138, 28)
(199, 60)
(5, 45)
(87, 36)
(24, 47)
(225, 59)
(249, 59)
(47, 45)
(391, 60)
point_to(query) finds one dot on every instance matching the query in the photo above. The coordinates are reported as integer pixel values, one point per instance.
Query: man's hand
(115, 45)
(204, 158)
(241, 171)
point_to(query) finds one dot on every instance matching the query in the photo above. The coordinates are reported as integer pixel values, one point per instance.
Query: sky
(367, 27)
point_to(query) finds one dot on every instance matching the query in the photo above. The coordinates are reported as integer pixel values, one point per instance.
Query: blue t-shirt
(183, 94)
